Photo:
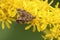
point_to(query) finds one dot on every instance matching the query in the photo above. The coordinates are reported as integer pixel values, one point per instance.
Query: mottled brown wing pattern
(24, 16)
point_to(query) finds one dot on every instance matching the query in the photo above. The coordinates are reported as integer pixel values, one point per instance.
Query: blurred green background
(17, 31)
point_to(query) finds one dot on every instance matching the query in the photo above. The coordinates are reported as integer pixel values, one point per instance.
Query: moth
(24, 16)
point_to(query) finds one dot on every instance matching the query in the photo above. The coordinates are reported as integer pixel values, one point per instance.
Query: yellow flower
(7, 13)
(52, 33)
(44, 13)
(53, 18)
(41, 10)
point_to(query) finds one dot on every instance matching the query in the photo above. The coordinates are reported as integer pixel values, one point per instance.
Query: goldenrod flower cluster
(7, 12)
(43, 11)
